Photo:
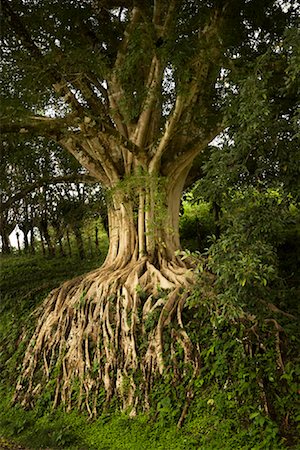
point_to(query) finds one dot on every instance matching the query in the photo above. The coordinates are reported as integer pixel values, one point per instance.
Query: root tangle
(108, 334)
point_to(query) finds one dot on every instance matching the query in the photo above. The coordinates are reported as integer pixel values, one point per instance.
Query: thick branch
(85, 159)
(46, 126)
(135, 150)
(153, 83)
(97, 150)
(192, 149)
(114, 88)
(159, 7)
(170, 128)
(74, 178)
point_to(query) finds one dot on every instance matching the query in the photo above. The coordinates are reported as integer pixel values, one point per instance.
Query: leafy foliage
(196, 223)
(248, 383)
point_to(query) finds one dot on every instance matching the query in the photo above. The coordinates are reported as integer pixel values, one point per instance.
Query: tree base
(109, 335)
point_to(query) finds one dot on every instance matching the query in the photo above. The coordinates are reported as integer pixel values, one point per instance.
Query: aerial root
(104, 334)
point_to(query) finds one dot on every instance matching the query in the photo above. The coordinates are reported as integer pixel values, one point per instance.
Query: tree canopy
(109, 70)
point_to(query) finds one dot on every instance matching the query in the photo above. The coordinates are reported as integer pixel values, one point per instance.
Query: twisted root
(96, 333)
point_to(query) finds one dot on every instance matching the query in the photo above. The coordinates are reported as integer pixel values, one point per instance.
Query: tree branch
(152, 86)
(191, 150)
(78, 178)
(37, 125)
(74, 146)
(114, 89)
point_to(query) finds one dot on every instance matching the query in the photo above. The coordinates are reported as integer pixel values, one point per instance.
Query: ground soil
(9, 445)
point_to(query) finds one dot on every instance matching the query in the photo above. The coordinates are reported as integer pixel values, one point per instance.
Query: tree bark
(79, 241)
(45, 230)
(105, 320)
(6, 248)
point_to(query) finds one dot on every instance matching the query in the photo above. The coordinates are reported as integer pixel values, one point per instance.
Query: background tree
(136, 91)
(34, 176)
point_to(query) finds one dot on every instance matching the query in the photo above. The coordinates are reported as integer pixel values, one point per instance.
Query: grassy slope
(24, 283)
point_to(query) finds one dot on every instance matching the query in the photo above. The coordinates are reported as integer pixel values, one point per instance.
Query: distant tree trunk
(18, 241)
(79, 241)
(26, 241)
(45, 230)
(6, 228)
(24, 227)
(61, 248)
(59, 235)
(6, 247)
(96, 238)
(69, 242)
(105, 223)
(32, 240)
(42, 240)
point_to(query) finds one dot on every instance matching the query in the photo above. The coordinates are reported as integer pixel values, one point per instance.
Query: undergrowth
(242, 398)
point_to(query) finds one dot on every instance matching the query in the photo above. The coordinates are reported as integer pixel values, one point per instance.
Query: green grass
(73, 431)
(24, 282)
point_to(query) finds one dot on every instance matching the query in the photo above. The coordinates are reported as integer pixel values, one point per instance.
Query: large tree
(135, 91)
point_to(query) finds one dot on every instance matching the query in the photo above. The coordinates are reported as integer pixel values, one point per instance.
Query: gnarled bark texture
(119, 325)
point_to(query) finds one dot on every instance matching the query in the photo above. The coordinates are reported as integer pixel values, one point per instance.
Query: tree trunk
(26, 242)
(69, 242)
(25, 230)
(6, 228)
(96, 238)
(121, 325)
(79, 241)
(42, 241)
(18, 241)
(46, 234)
(6, 248)
(59, 235)
(32, 240)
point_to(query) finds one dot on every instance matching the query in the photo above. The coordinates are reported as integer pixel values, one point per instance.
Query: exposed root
(109, 333)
